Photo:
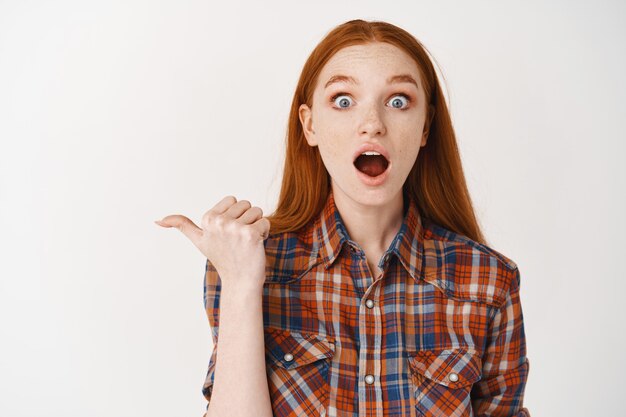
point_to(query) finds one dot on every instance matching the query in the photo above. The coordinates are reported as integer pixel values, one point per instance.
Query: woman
(375, 292)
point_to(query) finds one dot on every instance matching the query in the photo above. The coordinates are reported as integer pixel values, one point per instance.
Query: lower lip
(373, 181)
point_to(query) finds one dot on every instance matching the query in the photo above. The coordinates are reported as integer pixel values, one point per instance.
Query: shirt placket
(370, 336)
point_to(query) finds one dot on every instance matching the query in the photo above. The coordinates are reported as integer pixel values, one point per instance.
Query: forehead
(377, 58)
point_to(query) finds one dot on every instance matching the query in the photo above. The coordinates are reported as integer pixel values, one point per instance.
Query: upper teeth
(370, 153)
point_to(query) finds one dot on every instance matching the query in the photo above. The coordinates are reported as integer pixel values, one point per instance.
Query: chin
(370, 196)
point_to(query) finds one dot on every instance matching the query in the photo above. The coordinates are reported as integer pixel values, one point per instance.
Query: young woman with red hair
(370, 291)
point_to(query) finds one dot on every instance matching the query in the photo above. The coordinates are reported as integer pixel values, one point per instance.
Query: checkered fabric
(439, 333)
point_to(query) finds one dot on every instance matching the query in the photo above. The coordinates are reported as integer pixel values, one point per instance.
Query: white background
(117, 113)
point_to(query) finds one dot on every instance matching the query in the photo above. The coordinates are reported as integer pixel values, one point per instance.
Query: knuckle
(231, 227)
(248, 233)
(208, 217)
(219, 221)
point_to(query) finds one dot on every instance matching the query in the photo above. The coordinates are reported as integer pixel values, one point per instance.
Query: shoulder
(467, 269)
(289, 255)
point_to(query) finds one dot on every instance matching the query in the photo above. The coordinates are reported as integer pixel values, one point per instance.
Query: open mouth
(371, 165)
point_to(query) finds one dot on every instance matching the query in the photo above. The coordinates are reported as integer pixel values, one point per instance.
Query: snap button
(369, 303)
(453, 377)
(288, 357)
(369, 379)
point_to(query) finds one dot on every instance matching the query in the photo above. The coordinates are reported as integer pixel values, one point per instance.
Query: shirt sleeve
(500, 392)
(212, 286)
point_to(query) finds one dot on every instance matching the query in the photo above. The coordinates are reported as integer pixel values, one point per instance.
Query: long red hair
(436, 181)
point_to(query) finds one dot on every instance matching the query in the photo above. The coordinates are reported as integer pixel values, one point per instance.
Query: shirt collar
(330, 235)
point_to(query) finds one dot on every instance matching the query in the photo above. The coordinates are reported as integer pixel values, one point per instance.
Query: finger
(218, 209)
(250, 216)
(182, 223)
(263, 227)
(238, 209)
(224, 204)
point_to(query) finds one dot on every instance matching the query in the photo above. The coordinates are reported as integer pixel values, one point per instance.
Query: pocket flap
(293, 349)
(454, 368)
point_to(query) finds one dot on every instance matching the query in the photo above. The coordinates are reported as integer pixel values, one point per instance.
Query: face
(375, 109)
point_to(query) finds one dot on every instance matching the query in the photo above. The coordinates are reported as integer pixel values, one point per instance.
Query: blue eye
(344, 102)
(333, 98)
(408, 100)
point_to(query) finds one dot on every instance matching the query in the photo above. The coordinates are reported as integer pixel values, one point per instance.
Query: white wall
(114, 114)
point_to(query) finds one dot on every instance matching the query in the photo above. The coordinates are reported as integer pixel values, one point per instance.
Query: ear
(306, 120)
(425, 136)
(429, 119)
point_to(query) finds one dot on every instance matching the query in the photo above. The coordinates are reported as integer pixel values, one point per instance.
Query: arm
(240, 381)
(500, 392)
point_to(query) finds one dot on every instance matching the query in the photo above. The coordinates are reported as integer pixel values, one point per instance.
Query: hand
(231, 237)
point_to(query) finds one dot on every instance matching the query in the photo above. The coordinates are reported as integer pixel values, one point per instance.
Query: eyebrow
(402, 78)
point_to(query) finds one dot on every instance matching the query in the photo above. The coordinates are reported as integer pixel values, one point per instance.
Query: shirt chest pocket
(298, 368)
(442, 379)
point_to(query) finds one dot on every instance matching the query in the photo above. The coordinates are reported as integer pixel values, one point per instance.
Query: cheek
(330, 120)
(330, 151)
(410, 148)
(335, 153)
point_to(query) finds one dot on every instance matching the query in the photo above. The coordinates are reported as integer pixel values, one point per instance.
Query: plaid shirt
(439, 333)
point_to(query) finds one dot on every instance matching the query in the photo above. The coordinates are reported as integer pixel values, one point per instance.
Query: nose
(372, 123)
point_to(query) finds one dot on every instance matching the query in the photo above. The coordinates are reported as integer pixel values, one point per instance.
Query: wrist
(240, 290)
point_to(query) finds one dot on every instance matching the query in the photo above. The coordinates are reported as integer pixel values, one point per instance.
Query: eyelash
(408, 99)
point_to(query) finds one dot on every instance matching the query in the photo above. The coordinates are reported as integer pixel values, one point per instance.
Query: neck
(372, 227)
